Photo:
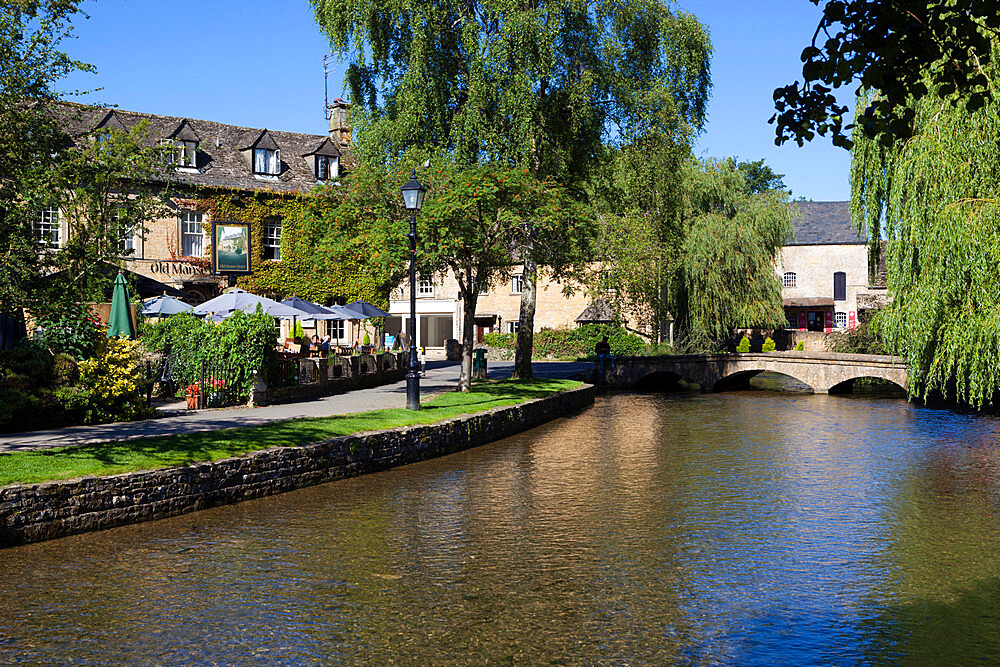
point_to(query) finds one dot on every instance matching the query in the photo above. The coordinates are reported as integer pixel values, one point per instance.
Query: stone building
(824, 270)
(211, 161)
(439, 308)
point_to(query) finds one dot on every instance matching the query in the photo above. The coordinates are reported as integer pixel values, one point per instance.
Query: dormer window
(185, 153)
(327, 167)
(266, 162)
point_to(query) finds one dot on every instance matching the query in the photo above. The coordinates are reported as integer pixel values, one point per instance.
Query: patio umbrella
(345, 313)
(164, 306)
(311, 311)
(367, 309)
(238, 299)
(120, 320)
(218, 317)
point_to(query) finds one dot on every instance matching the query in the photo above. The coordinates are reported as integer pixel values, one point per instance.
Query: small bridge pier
(823, 372)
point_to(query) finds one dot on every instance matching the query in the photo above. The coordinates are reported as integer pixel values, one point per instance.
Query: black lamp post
(413, 199)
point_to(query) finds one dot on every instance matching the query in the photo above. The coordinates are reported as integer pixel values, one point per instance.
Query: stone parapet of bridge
(821, 371)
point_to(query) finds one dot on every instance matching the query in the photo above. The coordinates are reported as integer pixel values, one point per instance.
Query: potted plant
(192, 392)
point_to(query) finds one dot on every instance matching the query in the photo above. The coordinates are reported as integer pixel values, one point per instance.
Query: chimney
(340, 126)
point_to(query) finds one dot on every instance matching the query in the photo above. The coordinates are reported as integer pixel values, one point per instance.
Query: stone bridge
(824, 372)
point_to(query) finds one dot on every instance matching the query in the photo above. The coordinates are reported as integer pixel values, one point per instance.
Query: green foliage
(933, 199)
(70, 329)
(298, 332)
(112, 384)
(863, 339)
(800, 346)
(769, 345)
(32, 144)
(367, 340)
(244, 344)
(922, 51)
(578, 342)
(65, 370)
(744, 345)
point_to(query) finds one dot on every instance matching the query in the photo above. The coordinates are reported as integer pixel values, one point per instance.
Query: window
(425, 286)
(336, 329)
(266, 161)
(513, 326)
(606, 282)
(516, 284)
(839, 286)
(47, 230)
(185, 153)
(192, 235)
(788, 280)
(840, 319)
(793, 320)
(327, 166)
(127, 236)
(272, 239)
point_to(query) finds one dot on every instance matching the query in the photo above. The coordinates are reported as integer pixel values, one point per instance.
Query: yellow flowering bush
(113, 382)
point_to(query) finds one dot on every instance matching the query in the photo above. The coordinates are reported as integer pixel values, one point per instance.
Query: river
(749, 528)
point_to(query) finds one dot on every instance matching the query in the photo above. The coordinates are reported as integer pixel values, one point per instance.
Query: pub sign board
(230, 247)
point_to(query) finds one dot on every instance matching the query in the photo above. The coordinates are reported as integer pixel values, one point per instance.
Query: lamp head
(413, 193)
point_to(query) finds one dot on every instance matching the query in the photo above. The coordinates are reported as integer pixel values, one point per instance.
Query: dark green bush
(577, 342)
(74, 401)
(22, 411)
(70, 329)
(65, 370)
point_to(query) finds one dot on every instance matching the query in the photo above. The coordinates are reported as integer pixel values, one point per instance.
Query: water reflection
(742, 528)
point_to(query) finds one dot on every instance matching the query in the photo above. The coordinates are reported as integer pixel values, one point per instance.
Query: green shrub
(19, 410)
(367, 340)
(65, 370)
(800, 346)
(27, 367)
(113, 381)
(74, 402)
(769, 345)
(500, 340)
(744, 345)
(71, 329)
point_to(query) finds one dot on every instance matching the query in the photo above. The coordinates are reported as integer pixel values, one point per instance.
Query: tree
(472, 224)
(535, 86)
(933, 201)
(703, 253)
(904, 49)
(31, 141)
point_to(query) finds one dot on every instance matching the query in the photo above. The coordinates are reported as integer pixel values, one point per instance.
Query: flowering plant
(193, 389)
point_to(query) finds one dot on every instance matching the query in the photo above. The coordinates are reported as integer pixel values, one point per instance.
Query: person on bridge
(603, 352)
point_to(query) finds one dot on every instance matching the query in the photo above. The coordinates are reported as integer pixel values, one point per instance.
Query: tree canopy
(905, 49)
(933, 201)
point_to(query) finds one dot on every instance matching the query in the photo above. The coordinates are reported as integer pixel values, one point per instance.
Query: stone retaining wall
(31, 513)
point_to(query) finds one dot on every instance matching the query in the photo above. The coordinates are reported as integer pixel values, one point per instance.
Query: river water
(739, 528)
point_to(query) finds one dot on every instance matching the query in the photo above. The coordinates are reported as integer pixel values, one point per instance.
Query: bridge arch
(663, 380)
(848, 386)
(741, 379)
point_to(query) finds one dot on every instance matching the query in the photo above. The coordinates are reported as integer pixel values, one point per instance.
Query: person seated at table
(325, 345)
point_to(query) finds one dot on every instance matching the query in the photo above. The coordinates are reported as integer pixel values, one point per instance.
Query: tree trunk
(526, 326)
(468, 340)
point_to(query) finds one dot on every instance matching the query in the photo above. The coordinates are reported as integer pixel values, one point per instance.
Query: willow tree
(934, 201)
(535, 86)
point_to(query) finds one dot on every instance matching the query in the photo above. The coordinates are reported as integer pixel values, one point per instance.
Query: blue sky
(259, 64)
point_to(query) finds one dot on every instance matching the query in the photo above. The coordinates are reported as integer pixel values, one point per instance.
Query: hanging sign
(851, 322)
(230, 247)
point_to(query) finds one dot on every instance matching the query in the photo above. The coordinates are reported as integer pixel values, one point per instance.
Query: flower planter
(193, 402)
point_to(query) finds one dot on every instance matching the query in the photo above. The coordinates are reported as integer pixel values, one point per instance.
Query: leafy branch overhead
(904, 50)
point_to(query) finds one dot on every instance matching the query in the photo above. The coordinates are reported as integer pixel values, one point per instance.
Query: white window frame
(191, 221)
(517, 284)
(513, 326)
(327, 167)
(185, 154)
(789, 279)
(47, 228)
(127, 245)
(425, 286)
(336, 329)
(266, 162)
(840, 320)
(272, 238)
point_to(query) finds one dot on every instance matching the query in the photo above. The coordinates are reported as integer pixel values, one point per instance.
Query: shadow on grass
(186, 448)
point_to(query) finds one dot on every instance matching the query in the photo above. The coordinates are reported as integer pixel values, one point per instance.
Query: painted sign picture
(231, 247)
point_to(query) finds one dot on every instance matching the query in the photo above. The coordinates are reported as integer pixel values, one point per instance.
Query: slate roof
(824, 223)
(598, 311)
(220, 162)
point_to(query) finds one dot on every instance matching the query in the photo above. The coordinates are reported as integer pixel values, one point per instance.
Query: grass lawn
(110, 458)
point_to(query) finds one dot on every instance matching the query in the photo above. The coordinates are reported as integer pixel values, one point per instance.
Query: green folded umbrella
(120, 320)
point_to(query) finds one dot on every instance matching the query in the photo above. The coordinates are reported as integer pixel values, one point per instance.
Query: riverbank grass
(112, 458)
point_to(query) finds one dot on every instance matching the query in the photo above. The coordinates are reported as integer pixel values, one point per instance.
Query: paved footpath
(440, 376)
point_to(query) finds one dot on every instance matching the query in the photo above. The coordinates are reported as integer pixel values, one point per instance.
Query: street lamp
(413, 199)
